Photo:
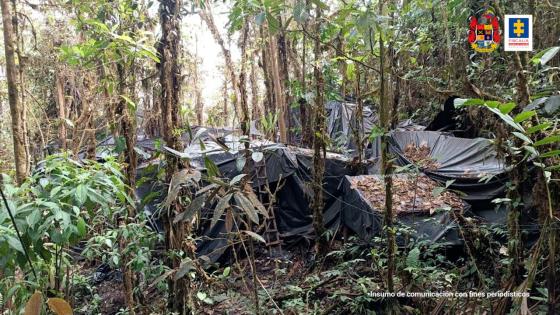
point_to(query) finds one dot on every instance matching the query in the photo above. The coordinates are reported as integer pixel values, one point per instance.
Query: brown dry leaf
(33, 306)
(421, 156)
(60, 306)
(410, 194)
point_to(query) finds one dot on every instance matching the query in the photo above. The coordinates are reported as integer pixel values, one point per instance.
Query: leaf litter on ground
(411, 194)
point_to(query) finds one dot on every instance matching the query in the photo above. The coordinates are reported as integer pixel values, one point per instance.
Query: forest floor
(291, 282)
(295, 282)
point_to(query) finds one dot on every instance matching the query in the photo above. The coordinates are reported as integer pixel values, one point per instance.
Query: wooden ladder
(271, 233)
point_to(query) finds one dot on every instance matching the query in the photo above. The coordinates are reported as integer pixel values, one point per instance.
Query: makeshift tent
(290, 165)
(471, 164)
(342, 123)
(343, 206)
(359, 215)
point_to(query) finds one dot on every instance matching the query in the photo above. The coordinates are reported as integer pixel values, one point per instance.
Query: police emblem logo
(484, 32)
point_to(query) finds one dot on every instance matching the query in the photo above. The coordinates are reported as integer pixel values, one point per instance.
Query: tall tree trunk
(305, 116)
(386, 163)
(284, 80)
(198, 105)
(17, 108)
(449, 56)
(179, 300)
(341, 64)
(128, 130)
(279, 97)
(256, 110)
(319, 145)
(267, 74)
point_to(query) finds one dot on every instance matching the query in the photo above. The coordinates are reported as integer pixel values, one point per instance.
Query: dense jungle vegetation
(117, 119)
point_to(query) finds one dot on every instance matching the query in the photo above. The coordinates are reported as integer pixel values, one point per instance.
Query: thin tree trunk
(386, 164)
(256, 112)
(60, 101)
(279, 104)
(319, 145)
(179, 299)
(17, 109)
(284, 80)
(267, 73)
(226, 100)
(127, 128)
(449, 56)
(306, 132)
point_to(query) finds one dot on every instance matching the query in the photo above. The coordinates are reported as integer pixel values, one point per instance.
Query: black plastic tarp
(471, 163)
(289, 167)
(360, 217)
(342, 122)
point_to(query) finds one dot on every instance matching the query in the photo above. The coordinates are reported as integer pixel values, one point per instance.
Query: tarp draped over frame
(463, 160)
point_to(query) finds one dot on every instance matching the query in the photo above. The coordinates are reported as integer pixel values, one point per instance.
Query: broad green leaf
(550, 153)
(211, 168)
(260, 18)
(531, 150)
(438, 191)
(413, 258)
(507, 119)
(220, 208)
(300, 11)
(544, 56)
(131, 104)
(493, 104)
(524, 116)
(240, 162)
(226, 271)
(256, 203)
(33, 218)
(507, 107)
(81, 227)
(547, 140)
(257, 156)
(473, 101)
(539, 127)
(15, 243)
(81, 194)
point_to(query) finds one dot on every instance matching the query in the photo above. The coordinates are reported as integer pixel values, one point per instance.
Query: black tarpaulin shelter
(290, 165)
(342, 122)
(471, 163)
(360, 216)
